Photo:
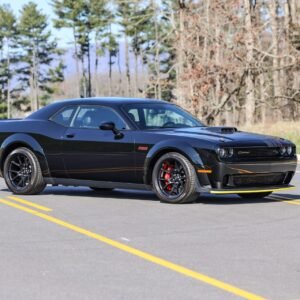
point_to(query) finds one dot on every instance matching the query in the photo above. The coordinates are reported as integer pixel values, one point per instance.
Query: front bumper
(249, 177)
(252, 190)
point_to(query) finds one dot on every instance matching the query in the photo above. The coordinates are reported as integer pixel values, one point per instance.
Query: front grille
(251, 180)
(257, 152)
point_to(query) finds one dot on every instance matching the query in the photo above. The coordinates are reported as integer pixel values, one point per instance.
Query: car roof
(49, 110)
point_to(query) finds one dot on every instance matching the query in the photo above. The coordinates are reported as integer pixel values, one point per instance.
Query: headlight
(282, 150)
(289, 150)
(225, 152)
(286, 150)
(222, 152)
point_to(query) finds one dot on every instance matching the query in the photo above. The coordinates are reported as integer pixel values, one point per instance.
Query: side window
(64, 116)
(134, 114)
(92, 117)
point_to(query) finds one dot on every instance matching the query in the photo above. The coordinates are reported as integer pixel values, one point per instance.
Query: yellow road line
(295, 202)
(281, 197)
(26, 202)
(144, 255)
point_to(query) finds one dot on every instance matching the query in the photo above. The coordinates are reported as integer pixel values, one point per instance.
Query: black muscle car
(107, 143)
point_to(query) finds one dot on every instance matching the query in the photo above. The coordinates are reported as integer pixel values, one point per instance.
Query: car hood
(228, 135)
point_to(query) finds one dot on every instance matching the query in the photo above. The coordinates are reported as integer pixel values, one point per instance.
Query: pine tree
(8, 38)
(159, 52)
(68, 12)
(83, 17)
(105, 41)
(39, 50)
(142, 23)
(126, 13)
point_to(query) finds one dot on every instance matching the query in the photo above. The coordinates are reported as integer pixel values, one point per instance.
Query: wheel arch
(165, 147)
(23, 140)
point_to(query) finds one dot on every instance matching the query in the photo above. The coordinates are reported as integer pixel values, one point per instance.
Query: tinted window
(64, 116)
(152, 116)
(93, 117)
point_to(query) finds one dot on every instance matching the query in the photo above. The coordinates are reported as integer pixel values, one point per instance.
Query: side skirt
(96, 184)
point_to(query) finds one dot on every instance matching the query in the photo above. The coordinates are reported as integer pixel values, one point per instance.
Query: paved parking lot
(73, 243)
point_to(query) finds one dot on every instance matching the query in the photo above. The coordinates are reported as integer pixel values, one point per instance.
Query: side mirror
(112, 127)
(108, 126)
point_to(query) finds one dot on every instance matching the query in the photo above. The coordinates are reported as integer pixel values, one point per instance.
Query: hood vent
(221, 129)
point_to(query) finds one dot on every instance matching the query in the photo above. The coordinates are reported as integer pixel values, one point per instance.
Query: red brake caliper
(168, 170)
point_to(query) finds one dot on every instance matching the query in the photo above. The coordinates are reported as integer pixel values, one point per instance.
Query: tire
(22, 165)
(101, 189)
(180, 171)
(255, 195)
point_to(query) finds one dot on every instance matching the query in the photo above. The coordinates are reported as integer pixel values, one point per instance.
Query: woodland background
(233, 62)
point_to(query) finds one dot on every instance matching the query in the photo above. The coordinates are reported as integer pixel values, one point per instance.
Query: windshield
(155, 116)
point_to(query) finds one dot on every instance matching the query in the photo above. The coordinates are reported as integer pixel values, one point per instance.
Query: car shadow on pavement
(86, 192)
(142, 195)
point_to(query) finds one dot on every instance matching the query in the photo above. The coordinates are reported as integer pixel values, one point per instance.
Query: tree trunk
(89, 89)
(157, 61)
(84, 79)
(136, 71)
(218, 118)
(128, 82)
(110, 65)
(34, 83)
(273, 4)
(120, 73)
(110, 73)
(96, 81)
(180, 56)
(8, 83)
(77, 64)
(207, 30)
(250, 95)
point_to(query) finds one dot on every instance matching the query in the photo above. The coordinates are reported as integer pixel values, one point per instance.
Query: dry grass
(288, 130)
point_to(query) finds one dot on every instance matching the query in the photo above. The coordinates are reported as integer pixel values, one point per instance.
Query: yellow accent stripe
(204, 171)
(242, 170)
(146, 256)
(26, 202)
(250, 191)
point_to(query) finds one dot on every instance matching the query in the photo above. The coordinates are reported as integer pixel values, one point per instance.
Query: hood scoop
(221, 129)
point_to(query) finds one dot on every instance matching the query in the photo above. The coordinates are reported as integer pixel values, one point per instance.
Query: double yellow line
(284, 199)
(141, 254)
(29, 203)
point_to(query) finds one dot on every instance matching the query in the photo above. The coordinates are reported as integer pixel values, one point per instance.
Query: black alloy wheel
(19, 170)
(174, 179)
(22, 172)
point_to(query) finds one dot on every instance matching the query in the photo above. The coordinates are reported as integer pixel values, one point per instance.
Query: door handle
(70, 135)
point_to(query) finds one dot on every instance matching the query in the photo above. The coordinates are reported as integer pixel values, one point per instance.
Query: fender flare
(167, 146)
(24, 140)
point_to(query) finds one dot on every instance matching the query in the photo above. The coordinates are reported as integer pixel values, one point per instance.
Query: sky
(64, 35)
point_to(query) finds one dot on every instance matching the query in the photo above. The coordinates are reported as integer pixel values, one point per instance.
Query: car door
(90, 153)
(53, 142)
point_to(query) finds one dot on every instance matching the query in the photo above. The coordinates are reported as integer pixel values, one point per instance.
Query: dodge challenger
(107, 143)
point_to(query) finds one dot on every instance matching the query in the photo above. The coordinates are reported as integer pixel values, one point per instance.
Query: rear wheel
(255, 195)
(22, 172)
(174, 179)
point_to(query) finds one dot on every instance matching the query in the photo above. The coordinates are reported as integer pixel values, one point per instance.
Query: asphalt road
(79, 244)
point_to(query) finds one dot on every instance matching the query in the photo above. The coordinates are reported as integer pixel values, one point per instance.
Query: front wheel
(22, 172)
(255, 195)
(174, 179)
